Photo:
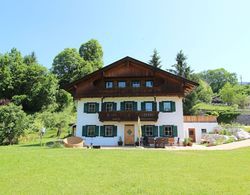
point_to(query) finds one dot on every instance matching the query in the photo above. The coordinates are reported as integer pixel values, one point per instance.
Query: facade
(111, 100)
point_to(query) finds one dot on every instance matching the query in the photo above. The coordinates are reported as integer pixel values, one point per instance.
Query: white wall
(198, 126)
(171, 118)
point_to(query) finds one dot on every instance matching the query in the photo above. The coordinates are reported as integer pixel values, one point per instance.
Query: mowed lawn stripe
(32, 170)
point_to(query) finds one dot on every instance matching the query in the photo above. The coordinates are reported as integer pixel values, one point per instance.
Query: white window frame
(121, 82)
(168, 131)
(126, 104)
(109, 84)
(108, 131)
(203, 132)
(109, 107)
(136, 84)
(91, 107)
(150, 85)
(149, 103)
(90, 131)
(167, 109)
(149, 130)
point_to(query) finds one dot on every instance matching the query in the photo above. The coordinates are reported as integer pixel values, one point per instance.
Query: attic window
(149, 83)
(108, 84)
(136, 84)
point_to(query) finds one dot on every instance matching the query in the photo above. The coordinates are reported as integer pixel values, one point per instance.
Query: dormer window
(121, 84)
(149, 83)
(108, 84)
(135, 84)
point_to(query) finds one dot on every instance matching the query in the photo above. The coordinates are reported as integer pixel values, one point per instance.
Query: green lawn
(40, 170)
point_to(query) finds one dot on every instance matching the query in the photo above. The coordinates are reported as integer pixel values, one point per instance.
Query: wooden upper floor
(129, 77)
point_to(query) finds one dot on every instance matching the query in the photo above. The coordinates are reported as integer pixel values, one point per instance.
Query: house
(110, 101)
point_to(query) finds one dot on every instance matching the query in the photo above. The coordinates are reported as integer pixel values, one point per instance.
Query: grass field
(40, 170)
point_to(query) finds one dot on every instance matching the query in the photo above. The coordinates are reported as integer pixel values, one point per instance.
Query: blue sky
(212, 33)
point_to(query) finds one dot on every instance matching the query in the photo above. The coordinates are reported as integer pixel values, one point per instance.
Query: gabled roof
(189, 84)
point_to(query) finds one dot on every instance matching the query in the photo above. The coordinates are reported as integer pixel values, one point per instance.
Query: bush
(13, 122)
(227, 116)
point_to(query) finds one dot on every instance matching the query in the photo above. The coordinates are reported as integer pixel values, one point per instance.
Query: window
(136, 84)
(168, 131)
(121, 84)
(128, 106)
(149, 83)
(167, 106)
(91, 107)
(109, 107)
(90, 131)
(109, 84)
(203, 131)
(149, 131)
(108, 131)
(149, 106)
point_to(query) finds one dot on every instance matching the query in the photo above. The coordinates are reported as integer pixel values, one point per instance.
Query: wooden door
(129, 135)
(191, 133)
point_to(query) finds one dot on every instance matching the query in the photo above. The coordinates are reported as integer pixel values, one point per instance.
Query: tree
(181, 68)
(13, 122)
(204, 92)
(217, 78)
(69, 66)
(155, 59)
(91, 52)
(26, 83)
(30, 59)
(234, 94)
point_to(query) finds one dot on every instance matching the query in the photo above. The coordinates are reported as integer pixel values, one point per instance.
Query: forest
(32, 97)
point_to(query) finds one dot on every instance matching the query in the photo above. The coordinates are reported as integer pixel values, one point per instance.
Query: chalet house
(110, 101)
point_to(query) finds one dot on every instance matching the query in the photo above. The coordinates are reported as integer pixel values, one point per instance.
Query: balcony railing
(128, 116)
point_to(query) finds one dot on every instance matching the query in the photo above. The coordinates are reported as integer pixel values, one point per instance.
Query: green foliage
(189, 102)
(56, 120)
(13, 122)
(181, 68)
(69, 66)
(26, 82)
(155, 59)
(91, 52)
(234, 94)
(204, 92)
(217, 78)
(227, 117)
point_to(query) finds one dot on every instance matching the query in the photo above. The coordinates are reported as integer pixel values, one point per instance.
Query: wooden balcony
(200, 119)
(128, 116)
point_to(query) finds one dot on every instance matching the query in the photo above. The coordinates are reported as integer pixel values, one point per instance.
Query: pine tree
(155, 61)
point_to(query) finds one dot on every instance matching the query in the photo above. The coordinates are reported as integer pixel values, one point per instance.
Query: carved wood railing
(128, 116)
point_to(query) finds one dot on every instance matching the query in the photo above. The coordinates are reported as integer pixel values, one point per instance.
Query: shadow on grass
(32, 145)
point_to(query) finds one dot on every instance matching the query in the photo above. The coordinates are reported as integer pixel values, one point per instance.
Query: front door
(129, 135)
(191, 133)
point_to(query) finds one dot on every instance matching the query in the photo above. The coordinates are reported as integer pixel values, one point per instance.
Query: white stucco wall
(198, 126)
(171, 118)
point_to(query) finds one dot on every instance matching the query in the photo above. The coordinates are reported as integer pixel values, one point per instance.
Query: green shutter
(154, 106)
(96, 107)
(173, 106)
(162, 131)
(134, 106)
(175, 132)
(97, 131)
(122, 106)
(84, 132)
(143, 106)
(101, 130)
(114, 131)
(143, 131)
(104, 106)
(155, 131)
(161, 108)
(114, 106)
(85, 107)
